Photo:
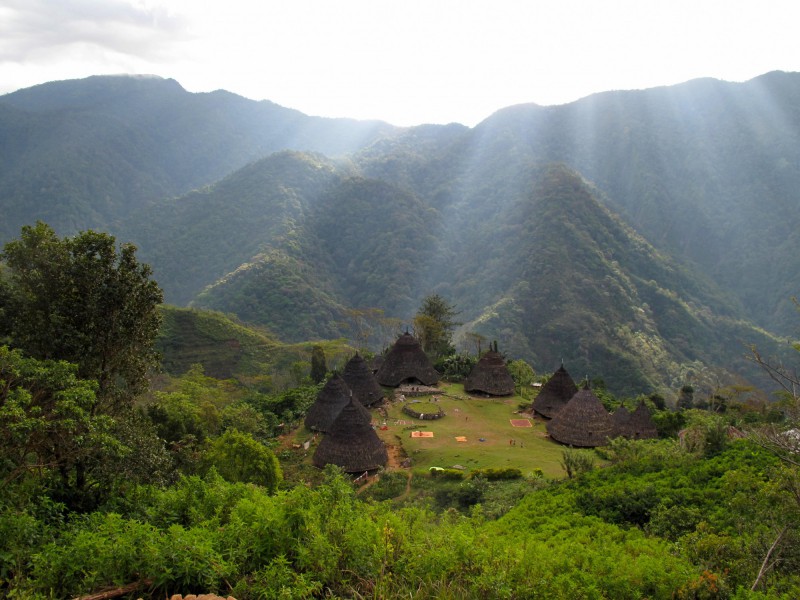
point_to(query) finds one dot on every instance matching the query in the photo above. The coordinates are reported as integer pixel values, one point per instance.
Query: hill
(85, 153)
(646, 237)
(227, 349)
(554, 276)
(705, 170)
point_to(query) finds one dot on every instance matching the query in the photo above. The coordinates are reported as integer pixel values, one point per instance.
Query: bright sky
(403, 61)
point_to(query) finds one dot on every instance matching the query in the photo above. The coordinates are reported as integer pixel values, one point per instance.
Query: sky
(407, 62)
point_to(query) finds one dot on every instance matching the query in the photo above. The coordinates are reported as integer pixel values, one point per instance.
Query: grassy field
(491, 440)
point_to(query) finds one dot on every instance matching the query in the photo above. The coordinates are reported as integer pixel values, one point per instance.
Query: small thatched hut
(490, 376)
(555, 394)
(583, 422)
(330, 401)
(639, 425)
(359, 378)
(406, 363)
(352, 443)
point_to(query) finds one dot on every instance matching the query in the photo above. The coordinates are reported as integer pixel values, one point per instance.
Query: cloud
(32, 31)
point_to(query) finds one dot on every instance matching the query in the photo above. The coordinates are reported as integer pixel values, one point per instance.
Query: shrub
(497, 474)
(447, 474)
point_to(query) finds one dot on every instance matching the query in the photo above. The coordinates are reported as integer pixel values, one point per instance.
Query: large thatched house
(583, 422)
(490, 376)
(330, 401)
(638, 426)
(406, 363)
(555, 394)
(361, 381)
(352, 443)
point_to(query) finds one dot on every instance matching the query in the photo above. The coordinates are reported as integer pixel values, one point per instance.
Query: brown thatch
(639, 425)
(619, 419)
(376, 363)
(490, 376)
(406, 363)
(359, 378)
(555, 394)
(331, 399)
(583, 422)
(352, 443)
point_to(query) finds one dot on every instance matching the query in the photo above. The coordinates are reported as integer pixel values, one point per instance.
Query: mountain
(554, 276)
(707, 171)
(86, 153)
(644, 237)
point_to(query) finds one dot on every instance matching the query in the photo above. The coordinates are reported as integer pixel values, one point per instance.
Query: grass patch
(427, 408)
(476, 419)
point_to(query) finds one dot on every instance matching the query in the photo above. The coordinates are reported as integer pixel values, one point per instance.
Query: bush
(497, 474)
(447, 474)
(389, 485)
(238, 457)
(576, 462)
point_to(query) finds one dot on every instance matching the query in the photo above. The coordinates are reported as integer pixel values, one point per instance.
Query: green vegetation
(78, 299)
(434, 324)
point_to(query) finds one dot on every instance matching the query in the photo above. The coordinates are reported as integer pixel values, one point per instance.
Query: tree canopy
(434, 324)
(82, 300)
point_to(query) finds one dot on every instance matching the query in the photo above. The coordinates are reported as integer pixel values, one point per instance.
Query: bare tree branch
(765, 565)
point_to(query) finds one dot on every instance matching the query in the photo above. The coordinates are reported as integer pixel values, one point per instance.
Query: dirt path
(395, 464)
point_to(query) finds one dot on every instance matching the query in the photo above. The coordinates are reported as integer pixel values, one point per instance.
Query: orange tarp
(461, 438)
(421, 434)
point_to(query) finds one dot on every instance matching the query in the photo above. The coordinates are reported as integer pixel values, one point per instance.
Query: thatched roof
(555, 394)
(331, 399)
(490, 375)
(359, 378)
(352, 443)
(376, 363)
(639, 425)
(583, 422)
(406, 362)
(619, 419)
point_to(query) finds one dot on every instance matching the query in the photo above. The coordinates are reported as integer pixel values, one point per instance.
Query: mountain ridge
(705, 174)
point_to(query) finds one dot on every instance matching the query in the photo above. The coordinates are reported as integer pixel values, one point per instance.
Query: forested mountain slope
(707, 170)
(85, 153)
(554, 275)
(637, 235)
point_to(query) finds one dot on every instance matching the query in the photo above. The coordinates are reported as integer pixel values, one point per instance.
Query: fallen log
(115, 592)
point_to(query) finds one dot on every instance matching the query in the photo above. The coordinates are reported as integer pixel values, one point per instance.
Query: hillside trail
(394, 464)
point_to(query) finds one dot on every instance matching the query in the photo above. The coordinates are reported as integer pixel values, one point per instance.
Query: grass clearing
(476, 419)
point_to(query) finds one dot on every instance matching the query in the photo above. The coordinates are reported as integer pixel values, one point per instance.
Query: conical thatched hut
(359, 378)
(331, 399)
(583, 422)
(619, 419)
(490, 376)
(639, 426)
(406, 363)
(352, 443)
(555, 394)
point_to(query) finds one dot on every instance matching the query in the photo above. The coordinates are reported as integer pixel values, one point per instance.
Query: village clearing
(491, 439)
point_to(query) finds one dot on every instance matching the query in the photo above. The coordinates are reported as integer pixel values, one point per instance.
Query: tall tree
(434, 324)
(46, 419)
(319, 367)
(82, 300)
